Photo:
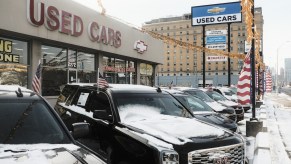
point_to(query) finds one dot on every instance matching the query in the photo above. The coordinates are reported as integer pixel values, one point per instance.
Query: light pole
(278, 64)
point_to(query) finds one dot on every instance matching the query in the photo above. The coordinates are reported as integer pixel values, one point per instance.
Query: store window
(146, 74)
(118, 71)
(86, 68)
(54, 72)
(13, 62)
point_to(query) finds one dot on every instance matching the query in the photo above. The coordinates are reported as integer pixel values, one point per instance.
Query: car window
(198, 105)
(148, 105)
(98, 101)
(24, 122)
(200, 94)
(216, 96)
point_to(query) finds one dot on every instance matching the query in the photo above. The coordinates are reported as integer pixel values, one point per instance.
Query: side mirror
(102, 114)
(80, 130)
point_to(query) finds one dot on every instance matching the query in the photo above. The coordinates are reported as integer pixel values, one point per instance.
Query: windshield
(25, 122)
(201, 95)
(136, 105)
(194, 104)
(233, 90)
(216, 96)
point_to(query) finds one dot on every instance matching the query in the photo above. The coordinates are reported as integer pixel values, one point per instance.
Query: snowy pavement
(276, 117)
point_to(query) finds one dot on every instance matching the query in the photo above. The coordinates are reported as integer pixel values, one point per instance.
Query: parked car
(231, 94)
(32, 132)
(202, 111)
(219, 108)
(221, 99)
(136, 124)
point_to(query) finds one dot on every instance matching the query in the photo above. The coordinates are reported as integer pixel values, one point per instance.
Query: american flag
(244, 82)
(36, 81)
(102, 83)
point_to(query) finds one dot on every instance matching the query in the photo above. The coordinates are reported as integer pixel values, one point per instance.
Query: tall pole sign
(216, 14)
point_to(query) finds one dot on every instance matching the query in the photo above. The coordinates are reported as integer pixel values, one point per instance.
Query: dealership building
(72, 43)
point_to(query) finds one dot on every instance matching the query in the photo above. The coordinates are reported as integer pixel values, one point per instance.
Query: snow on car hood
(45, 154)
(172, 129)
(216, 106)
(228, 103)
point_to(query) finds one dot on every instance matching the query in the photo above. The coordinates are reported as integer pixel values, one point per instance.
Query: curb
(262, 153)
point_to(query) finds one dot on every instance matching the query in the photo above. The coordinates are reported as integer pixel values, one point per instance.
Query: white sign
(216, 46)
(216, 32)
(248, 46)
(216, 58)
(215, 14)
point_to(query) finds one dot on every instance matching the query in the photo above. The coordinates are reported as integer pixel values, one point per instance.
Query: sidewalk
(269, 145)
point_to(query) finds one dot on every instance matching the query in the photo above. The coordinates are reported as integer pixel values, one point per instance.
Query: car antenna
(19, 93)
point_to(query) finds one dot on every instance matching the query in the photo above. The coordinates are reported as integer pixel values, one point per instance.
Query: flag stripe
(36, 81)
(244, 82)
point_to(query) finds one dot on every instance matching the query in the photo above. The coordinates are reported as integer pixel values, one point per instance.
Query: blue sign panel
(215, 14)
(215, 39)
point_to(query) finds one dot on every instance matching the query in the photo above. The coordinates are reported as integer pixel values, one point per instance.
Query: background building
(184, 67)
(288, 71)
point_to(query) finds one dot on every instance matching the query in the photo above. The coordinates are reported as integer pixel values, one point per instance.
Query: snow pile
(77, 109)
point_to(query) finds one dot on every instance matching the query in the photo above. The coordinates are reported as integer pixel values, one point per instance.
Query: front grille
(233, 154)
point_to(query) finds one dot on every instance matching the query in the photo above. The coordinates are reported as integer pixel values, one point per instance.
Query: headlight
(170, 157)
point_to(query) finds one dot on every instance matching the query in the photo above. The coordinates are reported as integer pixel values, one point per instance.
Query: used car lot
(202, 111)
(32, 132)
(139, 124)
(223, 109)
(230, 94)
(224, 101)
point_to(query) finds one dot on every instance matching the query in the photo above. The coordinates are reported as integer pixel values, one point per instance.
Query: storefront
(71, 42)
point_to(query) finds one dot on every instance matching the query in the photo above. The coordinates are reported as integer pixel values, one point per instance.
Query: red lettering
(66, 22)
(31, 15)
(111, 36)
(93, 29)
(117, 41)
(103, 35)
(52, 15)
(77, 26)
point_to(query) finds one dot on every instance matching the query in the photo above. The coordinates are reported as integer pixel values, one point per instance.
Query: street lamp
(278, 64)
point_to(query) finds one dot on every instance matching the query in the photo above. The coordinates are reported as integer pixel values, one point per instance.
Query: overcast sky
(277, 18)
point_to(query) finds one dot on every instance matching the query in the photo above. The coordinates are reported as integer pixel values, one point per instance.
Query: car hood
(46, 154)
(228, 103)
(174, 130)
(216, 106)
(217, 119)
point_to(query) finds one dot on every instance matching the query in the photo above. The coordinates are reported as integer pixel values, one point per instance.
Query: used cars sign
(216, 14)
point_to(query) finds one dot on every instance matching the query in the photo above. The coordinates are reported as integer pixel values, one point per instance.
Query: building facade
(185, 67)
(72, 43)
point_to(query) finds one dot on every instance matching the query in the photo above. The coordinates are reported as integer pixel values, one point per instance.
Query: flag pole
(98, 81)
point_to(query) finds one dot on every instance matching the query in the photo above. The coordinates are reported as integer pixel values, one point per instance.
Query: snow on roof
(77, 109)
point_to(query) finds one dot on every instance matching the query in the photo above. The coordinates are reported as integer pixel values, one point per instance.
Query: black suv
(32, 132)
(133, 124)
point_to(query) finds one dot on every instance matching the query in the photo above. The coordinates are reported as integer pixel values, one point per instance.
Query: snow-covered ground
(276, 116)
